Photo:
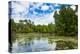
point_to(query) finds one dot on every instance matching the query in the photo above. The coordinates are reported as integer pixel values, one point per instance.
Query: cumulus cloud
(44, 7)
(39, 13)
(73, 7)
(43, 20)
(17, 7)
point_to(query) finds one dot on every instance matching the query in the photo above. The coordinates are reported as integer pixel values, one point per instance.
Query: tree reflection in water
(43, 42)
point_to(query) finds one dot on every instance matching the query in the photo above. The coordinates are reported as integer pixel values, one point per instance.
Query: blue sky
(39, 13)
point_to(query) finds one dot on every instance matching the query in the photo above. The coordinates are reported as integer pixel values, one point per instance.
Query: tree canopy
(66, 21)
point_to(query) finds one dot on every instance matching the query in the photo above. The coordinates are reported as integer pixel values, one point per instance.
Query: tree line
(66, 23)
(26, 26)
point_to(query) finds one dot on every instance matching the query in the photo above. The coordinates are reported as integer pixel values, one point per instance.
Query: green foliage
(12, 24)
(63, 45)
(66, 22)
(26, 26)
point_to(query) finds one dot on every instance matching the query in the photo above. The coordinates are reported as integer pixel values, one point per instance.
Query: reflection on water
(41, 42)
(33, 45)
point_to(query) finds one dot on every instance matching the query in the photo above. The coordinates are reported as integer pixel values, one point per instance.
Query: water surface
(35, 42)
(34, 45)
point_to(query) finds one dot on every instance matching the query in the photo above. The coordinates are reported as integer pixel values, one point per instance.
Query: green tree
(66, 22)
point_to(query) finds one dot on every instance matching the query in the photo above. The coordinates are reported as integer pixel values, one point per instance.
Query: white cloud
(40, 20)
(44, 7)
(23, 7)
(57, 11)
(44, 20)
(17, 19)
(25, 4)
(18, 7)
(73, 7)
(37, 5)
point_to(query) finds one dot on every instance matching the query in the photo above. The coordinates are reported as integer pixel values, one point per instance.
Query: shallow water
(41, 42)
(35, 45)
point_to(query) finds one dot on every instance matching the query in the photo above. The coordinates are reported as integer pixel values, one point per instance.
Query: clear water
(41, 42)
(33, 45)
